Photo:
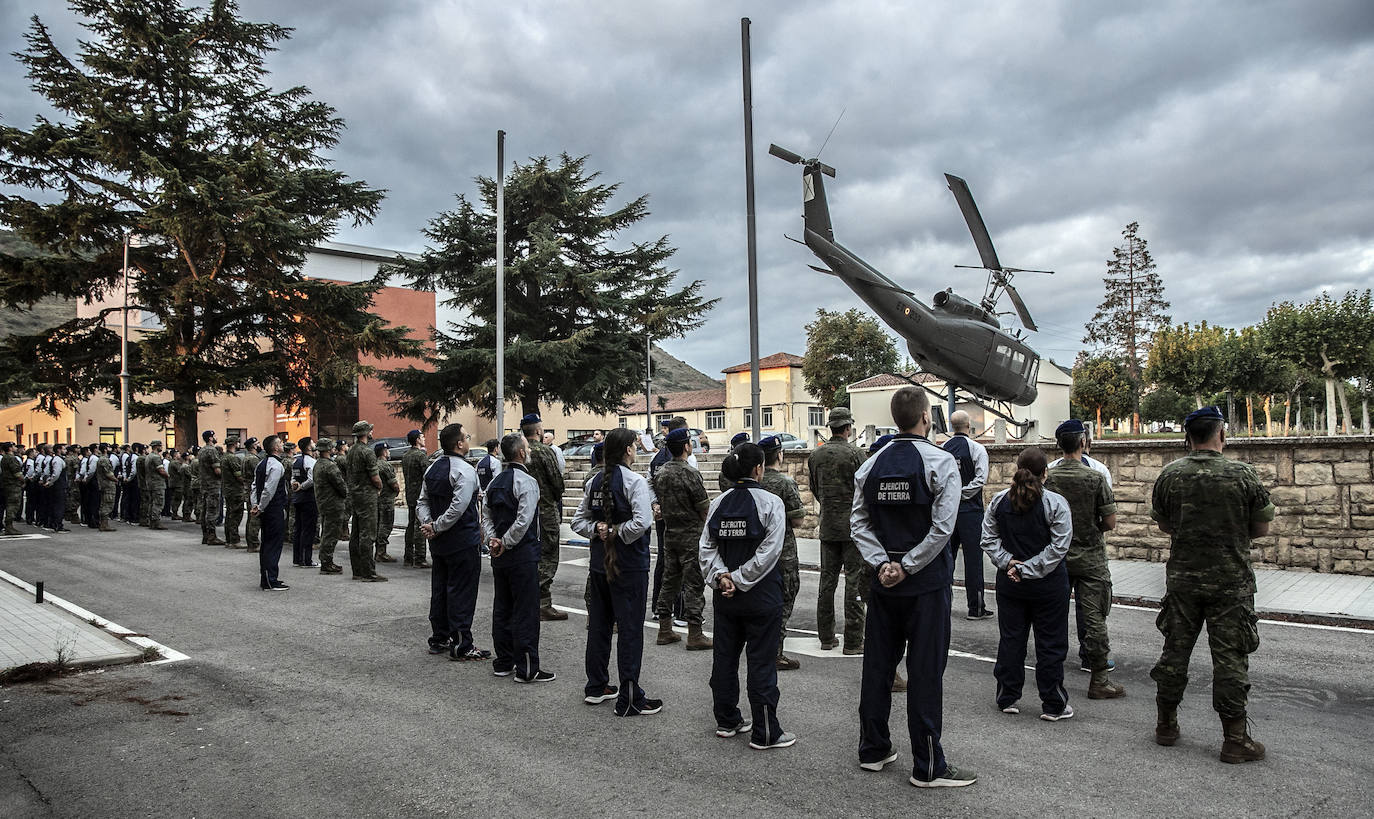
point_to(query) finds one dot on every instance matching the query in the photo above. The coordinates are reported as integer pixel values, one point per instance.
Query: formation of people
(893, 521)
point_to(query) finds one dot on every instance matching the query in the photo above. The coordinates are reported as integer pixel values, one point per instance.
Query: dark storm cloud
(1235, 133)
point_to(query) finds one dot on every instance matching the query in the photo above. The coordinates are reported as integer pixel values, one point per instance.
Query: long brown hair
(613, 454)
(1027, 484)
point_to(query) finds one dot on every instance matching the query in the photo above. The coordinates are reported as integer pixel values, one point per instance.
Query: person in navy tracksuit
(307, 510)
(510, 528)
(740, 547)
(906, 498)
(1027, 531)
(972, 458)
(615, 516)
(449, 520)
(268, 502)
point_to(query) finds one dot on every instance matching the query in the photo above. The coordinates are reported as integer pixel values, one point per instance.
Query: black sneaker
(727, 731)
(644, 707)
(609, 693)
(985, 614)
(441, 647)
(783, 740)
(279, 586)
(473, 654)
(539, 676)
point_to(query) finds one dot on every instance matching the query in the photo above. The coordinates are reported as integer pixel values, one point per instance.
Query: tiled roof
(771, 362)
(888, 380)
(678, 401)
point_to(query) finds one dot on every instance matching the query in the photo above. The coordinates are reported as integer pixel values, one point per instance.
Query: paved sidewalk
(33, 632)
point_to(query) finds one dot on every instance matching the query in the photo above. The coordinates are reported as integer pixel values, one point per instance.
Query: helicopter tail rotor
(797, 159)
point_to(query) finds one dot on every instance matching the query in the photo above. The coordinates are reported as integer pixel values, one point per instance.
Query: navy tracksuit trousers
(453, 596)
(303, 538)
(753, 627)
(621, 603)
(1040, 606)
(515, 618)
(967, 538)
(273, 520)
(919, 625)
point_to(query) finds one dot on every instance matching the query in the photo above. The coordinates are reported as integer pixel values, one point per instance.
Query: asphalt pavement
(322, 701)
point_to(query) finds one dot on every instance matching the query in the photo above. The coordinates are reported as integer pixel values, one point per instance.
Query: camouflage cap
(231, 439)
(362, 428)
(325, 445)
(840, 417)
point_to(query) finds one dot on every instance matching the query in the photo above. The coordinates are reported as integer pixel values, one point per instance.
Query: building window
(624, 422)
(767, 417)
(715, 419)
(660, 420)
(69, 435)
(749, 419)
(242, 433)
(815, 416)
(169, 438)
(111, 435)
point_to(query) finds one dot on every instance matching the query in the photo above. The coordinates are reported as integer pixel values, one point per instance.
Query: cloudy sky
(1238, 134)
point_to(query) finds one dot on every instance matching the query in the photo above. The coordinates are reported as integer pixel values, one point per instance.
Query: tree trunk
(1098, 431)
(1197, 398)
(1330, 406)
(1287, 409)
(186, 418)
(1347, 423)
(1268, 419)
(1249, 415)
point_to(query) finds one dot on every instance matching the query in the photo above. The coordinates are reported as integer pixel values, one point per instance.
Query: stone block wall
(1323, 488)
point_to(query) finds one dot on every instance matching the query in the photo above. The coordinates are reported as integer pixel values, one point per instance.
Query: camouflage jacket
(390, 486)
(11, 472)
(330, 489)
(413, 465)
(105, 473)
(360, 467)
(152, 462)
(543, 466)
(236, 475)
(1209, 502)
(831, 469)
(207, 461)
(785, 488)
(1090, 500)
(681, 496)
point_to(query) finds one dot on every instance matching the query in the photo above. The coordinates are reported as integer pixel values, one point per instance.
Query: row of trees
(167, 130)
(1316, 354)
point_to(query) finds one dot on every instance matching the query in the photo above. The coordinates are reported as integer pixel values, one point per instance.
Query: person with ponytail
(615, 516)
(1027, 530)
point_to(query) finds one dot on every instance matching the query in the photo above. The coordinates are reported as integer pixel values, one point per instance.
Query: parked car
(790, 441)
(398, 446)
(581, 448)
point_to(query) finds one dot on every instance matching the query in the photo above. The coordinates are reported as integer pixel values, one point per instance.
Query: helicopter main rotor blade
(1020, 307)
(975, 222)
(1021, 270)
(784, 154)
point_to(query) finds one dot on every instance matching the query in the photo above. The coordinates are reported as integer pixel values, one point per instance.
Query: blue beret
(679, 435)
(251, 442)
(414, 432)
(740, 438)
(207, 435)
(1204, 414)
(771, 444)
(1069, 427)
(665, 422)
(879, 444)
(532, 418)
(379, 446)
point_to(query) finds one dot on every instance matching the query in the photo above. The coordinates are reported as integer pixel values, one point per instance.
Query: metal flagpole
(500, 284)
(753, 243)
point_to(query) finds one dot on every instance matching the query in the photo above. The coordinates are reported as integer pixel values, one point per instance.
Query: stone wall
(1323, 488)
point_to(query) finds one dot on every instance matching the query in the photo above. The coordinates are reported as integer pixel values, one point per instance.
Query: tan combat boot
(1237, 745)
(696, 641)
(1166, 723)
(1102, 687)
(898, 683)
(105, 524)
(666, 635)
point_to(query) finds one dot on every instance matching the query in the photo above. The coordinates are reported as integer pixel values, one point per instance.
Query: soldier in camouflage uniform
(211, 478)
(1211, 507)
(252, 456)
(682, 499)
(154, 483)
(784, 487)
(286, 458)
(193, 469)
(413, 465)
(106, 481)
(176, 484)
(236, 483)
(831, 471)
(364, 484)
(386, 501)
(1093, 509)
(543, 466)
(330, 491)
(12, 485)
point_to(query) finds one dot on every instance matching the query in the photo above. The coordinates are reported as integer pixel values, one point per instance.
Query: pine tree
(168, 131)
(577, 310)
(1134, 307)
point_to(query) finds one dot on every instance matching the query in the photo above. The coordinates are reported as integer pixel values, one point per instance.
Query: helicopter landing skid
(1003, 412)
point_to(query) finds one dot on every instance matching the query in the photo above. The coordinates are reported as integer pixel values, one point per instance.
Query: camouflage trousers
(151, 508)
(195, 500)
(1232, 634)
(415, 542)
(208, 512)
(837, 555)
(331, 531)
(1092, 596)
(252, 532)
(73, 500)
(178, 501)
(791, 582)
(550, 518)
(233, 516)
(107, 504)
(14, 505)
(386, 520)
(362, 535)
(682, 573)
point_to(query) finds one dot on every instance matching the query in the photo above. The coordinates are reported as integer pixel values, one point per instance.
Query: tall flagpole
(500, 284)
(753, 243)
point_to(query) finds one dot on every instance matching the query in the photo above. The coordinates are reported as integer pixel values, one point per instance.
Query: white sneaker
(725, 733)
(1012, 709)
(1067, 713)
(880, 764)
(784, 740)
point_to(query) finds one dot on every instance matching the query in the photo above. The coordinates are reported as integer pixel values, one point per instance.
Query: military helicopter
(954, 339)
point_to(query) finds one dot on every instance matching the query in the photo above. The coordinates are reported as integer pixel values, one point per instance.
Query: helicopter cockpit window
(1033, 370)
(1002, 351)
(1018, 360)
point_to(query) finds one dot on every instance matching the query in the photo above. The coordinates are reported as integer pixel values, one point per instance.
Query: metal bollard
(38, 592)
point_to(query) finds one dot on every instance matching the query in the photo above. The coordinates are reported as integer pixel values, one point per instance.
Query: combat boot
(666, 635)
(213, 540)
(696, 641)
(383, 557)
(1237, 745)
(786, 663)
(898, 683)
(105, 524)
(1102, 687)
(1166, 723)
(204, 537)
(10, 530)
